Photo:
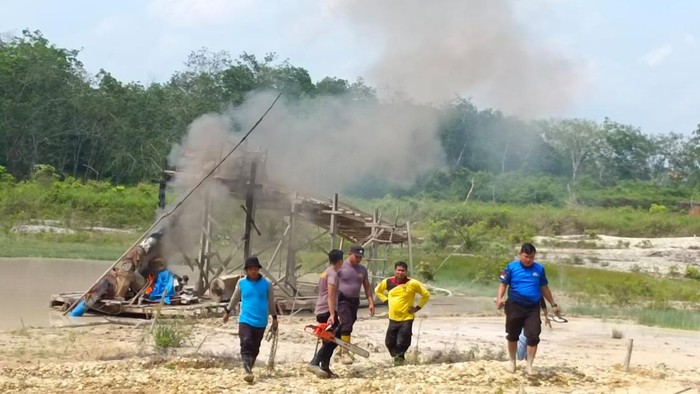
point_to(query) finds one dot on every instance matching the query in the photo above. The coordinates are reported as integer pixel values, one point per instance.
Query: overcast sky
(633, 61)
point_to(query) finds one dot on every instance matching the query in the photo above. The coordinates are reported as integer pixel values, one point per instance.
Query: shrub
(692, 272)
(170, 333)
(617, 334)
(655, 209)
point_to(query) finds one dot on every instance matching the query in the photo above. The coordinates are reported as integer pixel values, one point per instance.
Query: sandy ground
(456, 352)
(656, 256)
(576, 357)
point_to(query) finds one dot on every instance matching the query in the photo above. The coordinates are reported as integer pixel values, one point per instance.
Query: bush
(692, 272)
(617, 334)
(654, 209)
(170, 333)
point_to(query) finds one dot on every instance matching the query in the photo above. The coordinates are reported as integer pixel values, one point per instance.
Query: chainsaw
(324, 332)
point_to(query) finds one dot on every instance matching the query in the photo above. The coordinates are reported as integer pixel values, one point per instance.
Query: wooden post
(277, 249)
(291, 253)
(373, 248)
(250, 209)
(334, 229)
(204, 247)
(410, 249)
(629, 355)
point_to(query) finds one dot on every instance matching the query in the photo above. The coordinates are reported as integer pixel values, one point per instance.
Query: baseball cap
(358, 250)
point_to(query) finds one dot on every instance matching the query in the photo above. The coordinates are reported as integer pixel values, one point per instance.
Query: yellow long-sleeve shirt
(401, 297)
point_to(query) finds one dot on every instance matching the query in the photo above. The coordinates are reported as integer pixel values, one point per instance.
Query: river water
(26, 286)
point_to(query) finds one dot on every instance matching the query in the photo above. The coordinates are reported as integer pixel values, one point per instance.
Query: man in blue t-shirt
(257, 302)
(526, 282)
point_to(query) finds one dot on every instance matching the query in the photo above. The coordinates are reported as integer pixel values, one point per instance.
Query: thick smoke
(325, 144)
(436, 50)
(318, 146)
(321, 145)
(207, 140)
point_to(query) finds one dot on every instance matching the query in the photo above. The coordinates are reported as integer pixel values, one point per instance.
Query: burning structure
(212, 236)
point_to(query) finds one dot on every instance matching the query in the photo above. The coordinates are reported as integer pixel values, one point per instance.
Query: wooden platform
(352, 223)
(203, 308)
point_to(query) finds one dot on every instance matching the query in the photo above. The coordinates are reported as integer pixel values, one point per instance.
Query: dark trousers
(347, 313)
(398, 337)
(250, 337)
(323, 357)
(524, 318)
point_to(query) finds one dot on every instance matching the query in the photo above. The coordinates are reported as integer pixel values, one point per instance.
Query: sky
(631, 61)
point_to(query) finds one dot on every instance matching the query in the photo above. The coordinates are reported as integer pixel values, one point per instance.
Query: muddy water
(26, 286)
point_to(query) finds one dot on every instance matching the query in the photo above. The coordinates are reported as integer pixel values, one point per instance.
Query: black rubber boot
(326, 367)
(315, 360)
(248, 367)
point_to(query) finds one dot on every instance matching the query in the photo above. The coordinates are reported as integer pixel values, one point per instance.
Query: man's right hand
(330, 320)
(226, 317)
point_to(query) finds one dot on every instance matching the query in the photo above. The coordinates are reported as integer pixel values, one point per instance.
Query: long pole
(249, 210)
(178, 204)
(410, 248)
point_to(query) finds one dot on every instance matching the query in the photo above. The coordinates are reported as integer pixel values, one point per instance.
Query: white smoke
(437, 50)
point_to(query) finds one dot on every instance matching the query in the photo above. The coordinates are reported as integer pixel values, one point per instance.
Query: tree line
(53, 112)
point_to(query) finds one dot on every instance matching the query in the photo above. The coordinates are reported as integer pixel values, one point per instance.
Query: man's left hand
(413, 309)
(556, 310)
(274, 325)
(371, 309)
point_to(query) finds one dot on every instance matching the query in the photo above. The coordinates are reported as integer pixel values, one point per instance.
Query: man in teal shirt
(257, 300)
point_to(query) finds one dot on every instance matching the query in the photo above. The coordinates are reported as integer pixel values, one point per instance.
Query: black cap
(335, 255)
(252, 261)
(358, 250)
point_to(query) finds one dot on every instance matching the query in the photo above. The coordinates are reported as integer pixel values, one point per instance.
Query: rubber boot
(325, 366)
(315, 360)
(248, 367)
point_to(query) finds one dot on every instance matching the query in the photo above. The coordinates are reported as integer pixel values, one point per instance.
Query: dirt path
(576, 357)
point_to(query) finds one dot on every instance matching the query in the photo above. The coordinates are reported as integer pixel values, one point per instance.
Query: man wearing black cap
(257, 301)
(326, 303)
(353, 277)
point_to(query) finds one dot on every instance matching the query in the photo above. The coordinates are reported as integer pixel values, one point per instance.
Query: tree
(39, 83)
(576, 139)
(625, 153)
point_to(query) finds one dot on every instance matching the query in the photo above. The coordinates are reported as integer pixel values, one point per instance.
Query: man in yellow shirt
(401, 291)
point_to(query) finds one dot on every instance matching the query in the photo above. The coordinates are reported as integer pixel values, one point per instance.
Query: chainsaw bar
(323, 332)
(351, 348)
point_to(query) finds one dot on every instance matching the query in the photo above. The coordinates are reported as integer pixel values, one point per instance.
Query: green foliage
(5, 176)
(692, 272)
(171, 333)
(655, 208)
(78, 204)
(97, 127)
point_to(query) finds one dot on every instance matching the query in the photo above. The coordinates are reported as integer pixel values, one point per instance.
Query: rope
(272, 335)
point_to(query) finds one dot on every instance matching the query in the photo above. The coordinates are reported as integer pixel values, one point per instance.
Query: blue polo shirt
(524, 282)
